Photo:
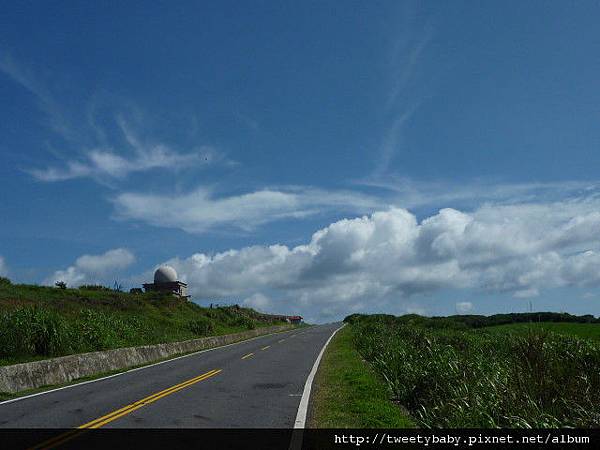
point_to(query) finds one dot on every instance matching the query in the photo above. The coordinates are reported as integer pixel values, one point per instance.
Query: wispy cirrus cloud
(100, 163)
(404, 62)
(410, 193)
(201, 210)
(24, 76)
(402, 99)
(391, 142)
(114, 155)
(139, 156)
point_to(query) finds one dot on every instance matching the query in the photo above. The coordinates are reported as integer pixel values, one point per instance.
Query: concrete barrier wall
(61, 370)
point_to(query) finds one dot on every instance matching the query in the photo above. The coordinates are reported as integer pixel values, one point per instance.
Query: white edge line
(138, 368)
(303, 407)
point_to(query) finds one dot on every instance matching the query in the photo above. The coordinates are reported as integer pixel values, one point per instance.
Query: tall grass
(471, 378)
(41, 332)
(32, 331)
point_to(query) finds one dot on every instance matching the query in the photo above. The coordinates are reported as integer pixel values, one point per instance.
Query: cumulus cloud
(390, 256)
(201, 210)
(463, 307)
(93, 268)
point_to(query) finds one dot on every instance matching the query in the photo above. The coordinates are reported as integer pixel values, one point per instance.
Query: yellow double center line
(101, 421)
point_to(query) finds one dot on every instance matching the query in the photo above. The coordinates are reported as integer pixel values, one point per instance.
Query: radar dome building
(165, 280)
(165, 274)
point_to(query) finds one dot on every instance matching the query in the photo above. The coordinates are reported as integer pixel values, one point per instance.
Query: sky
(314, 158)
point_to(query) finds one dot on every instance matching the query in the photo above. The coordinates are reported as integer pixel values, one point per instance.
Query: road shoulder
(348, 394)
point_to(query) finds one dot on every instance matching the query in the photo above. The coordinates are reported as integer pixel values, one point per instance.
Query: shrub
(5, 281)
(244, 322)
(201, 327)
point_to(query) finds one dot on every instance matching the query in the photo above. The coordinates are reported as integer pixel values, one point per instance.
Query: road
(253, 384)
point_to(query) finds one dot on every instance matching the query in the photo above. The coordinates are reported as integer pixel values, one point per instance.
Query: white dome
(165, 274)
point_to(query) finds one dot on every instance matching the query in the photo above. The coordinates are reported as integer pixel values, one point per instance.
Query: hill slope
(37, 322)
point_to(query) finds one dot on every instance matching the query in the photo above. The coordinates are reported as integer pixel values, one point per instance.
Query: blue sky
(307, 157)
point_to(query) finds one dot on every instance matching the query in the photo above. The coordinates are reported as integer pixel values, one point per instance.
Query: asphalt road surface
(253, 384)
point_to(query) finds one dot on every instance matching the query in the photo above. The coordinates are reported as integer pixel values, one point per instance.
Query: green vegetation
(582, 330)
(348, 394)
(449, 374)
(37, 322)
(463, 322)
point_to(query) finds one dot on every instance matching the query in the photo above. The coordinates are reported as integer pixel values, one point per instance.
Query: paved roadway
(253, 384)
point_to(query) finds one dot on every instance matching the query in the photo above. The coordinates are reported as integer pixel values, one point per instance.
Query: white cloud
(389, 256)
(93, 268)
(71, 276)
(409, 193)
(119, 258)
(3, 267)
(201, 210)
(105, 162)
(463, 307)
(142, 156)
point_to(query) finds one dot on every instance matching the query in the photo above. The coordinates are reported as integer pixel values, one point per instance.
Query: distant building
(295, 319)
(165, 280)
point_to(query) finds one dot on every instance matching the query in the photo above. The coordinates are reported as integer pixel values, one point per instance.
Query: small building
(165, 280)
(296, 320)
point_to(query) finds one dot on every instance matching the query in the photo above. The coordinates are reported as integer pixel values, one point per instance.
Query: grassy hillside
(447, 374)
(38, 322)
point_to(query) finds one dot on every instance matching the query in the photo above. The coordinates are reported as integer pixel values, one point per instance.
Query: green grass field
(39, 322)
(449, 375)
(349, 394)
(582, 330)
